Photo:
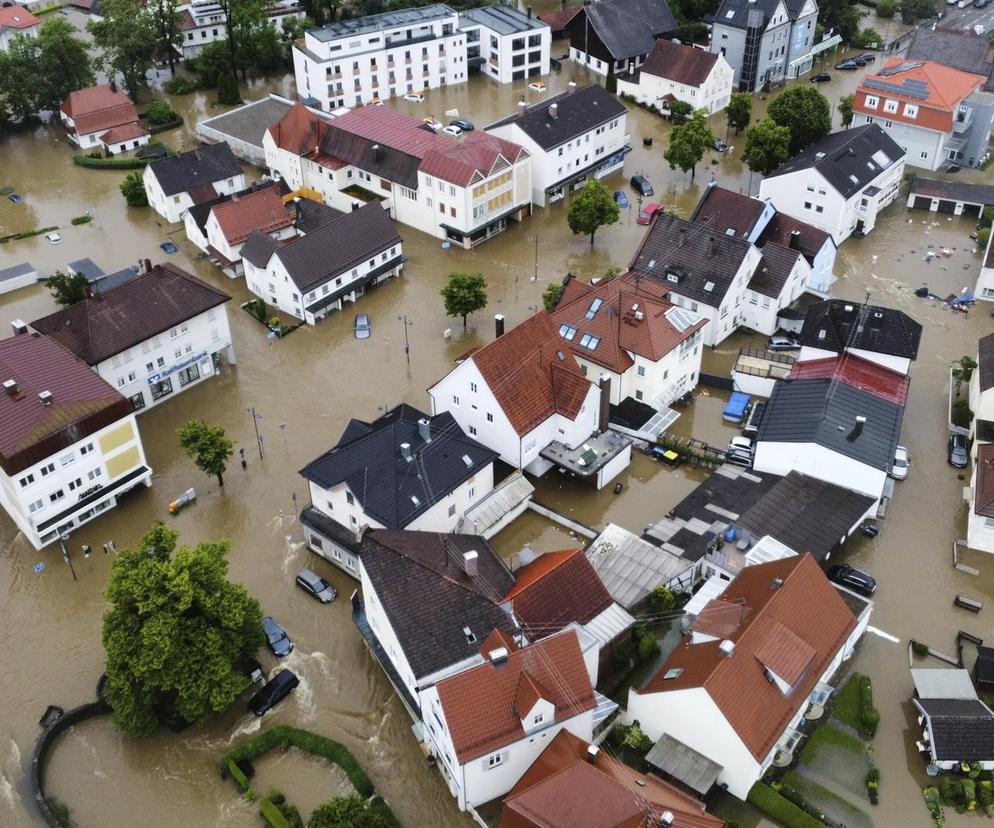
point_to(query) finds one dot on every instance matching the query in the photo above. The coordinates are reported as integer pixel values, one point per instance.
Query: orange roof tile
(528, 694)
(262, 210)
(124, 133)
(17, 17)
(497, 639)
(299, 131)
(857, 372)
(98, 108)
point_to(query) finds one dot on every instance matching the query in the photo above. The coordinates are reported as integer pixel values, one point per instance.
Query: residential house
(614, 36)
(404, 470)
(957, 727)
(488, 724)
(70, 444)
(312, 275)
(980, 499)
(936, 114)
(649, 348)
(558, 20)
(765, 41)
(576, 783)
(571, 137)
(981, 396)
(836, 419)
(740, 681)
(175, 184)
(18, 276)
(526, 397)
(886, 336)
(157, 333)
(463, 190)
(196, 217)
(506, 44)
(202, 22)
(961, 49)
(677, 72)
(102, 118)
(16, 21)
(840, 183)
(230, 224)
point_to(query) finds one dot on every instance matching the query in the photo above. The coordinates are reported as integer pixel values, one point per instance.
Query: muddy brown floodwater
(307, 386)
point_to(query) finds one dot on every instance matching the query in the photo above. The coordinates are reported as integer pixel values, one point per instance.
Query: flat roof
(88, 268)
(248, 123)
(501, 19)
(17, 271)
(590, 456)
(380, 22)
(942, 683)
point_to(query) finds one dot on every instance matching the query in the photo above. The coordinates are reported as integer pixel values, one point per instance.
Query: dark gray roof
(697, 255)
(422, 585)
(577, 113)
(961, 50)
(729, 493)
(204, 165)
(837, 325)
(968, 191)
(504, 20)
(962, 729)
(824, 412)
(985, 362)
(806, 514)
(331, 249)
(313, 214)
(17, 271)
(392, 490)
(735, 13)
(774, 269)
(983, 667)
(629, 27)
(87, 268)
(259, 248)
(845, 159)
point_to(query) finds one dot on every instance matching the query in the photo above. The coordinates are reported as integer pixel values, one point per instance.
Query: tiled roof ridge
(567, 555)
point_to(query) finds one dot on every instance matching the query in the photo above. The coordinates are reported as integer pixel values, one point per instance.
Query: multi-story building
(16, 21)
(765, 41)
(573, 136)
(936, 114)
(69, 445)
(202, 22)
(158, 333)
(174, 184)
(677, 72)
(506, 44)
(461, 189)
(614, 36)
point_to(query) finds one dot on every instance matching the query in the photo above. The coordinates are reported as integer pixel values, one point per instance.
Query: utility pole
(63, 537)
(407, 342)
(255, 423)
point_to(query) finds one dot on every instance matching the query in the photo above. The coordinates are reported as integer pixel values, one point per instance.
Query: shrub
(781, 809)
(962, 415)
(636, 739)
(622, 654)
(867, 37)
(133, 190)
(241, 781)
(159, 112)
(871, 720)
(99, 162)
(919, 649)
(82, 220)
(983, 236)
(870, 714)
(645, 644)
(181, 86)
(987, 216)
(272, 814)
(60, 811)
(661, 599)
(886, 9)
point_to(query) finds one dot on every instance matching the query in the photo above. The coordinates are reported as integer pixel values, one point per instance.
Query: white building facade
(507, 44)
(663, 79)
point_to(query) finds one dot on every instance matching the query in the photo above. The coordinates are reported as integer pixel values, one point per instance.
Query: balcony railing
(963, 121)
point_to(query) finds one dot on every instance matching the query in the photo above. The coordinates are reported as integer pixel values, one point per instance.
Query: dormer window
(672, 277)
(538, 718)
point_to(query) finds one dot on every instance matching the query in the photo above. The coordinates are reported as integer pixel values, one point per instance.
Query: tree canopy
(767, 146)
(842, 14)
(133, 189)
(845, 109)
(208, 447)
(175, 632)
(551, 295)
(591, 209)
(914, 10)
(739, 111)
(805, 112)
(688, 143)
(66, 289)
(463, 294)
(127, 38)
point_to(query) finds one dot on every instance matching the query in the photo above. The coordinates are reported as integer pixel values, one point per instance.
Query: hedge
(780, 809)
(155, 129)
(870, 714)
(109, 163)
(272, 814)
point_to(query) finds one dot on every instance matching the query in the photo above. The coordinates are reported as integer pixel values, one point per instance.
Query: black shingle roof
(962, 729)
(576, 114)
(836, 325)
(629, 27)
(845, 159)
(735, 13)
(824, 412)
(421, 583)
(985, 362)
(983, 667)
(697, 254)
(961, 50)
(774, 269)
(204, 165)
(736, 494)
(392, 490)
(313, 214)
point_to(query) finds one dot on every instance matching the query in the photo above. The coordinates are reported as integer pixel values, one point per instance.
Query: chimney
(777, 583)
(10, 386)
(113, 86)
(19, 326)
(498, 656)
(522, 107)
(572, 87)
(666, 819)
(710, 247)
(592, 751)
(45, 397)
(148, 266)
(405, 452)
(424, 429)
(795, 240)
(499, 325)
(377, 154)
(554, 111)
(604, 415)
(470, 560)
(727, 647)
(857, 428)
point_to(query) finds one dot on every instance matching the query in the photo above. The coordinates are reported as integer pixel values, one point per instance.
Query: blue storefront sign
(179, 366)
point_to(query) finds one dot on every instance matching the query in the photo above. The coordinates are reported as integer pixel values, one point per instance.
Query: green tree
(767, 146)
(550, 298)
(166, 25)
(227, 88)
(464, 293)
(591, 209)
(845, 109)
(739, 111)
(611, 82)
(963, 370)
(841, 14)
(208, 447)
(64, 62)
(688, 143)
(347, 812)
(680, 110)
(175, 632)
(212, 62)
(914, 10)
(805, 112)
(886, 9)
(867, 38)
(159, 112)
(133, 189)
(67, 290)
(127, 39)
(21, 84)
(661, 599)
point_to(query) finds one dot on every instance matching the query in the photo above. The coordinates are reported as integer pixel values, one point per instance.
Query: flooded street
(306, 388)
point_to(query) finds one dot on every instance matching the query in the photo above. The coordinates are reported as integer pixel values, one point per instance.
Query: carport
(956, 198)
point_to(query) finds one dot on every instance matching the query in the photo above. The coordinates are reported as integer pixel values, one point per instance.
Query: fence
(715, 381)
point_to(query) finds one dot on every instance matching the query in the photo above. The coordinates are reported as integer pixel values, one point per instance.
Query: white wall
(172, 208)
(384, 631)
(499, 52)
(712, 95)
(821, 463)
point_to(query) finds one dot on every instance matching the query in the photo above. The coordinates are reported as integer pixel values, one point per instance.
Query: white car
(434, 125)
(452, 130)
(413, 97)
(740, 444)
(537, 86)
(54, 238)
(899, 469)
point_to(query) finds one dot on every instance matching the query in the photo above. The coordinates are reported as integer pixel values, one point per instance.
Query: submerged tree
(208, 447)
(591, 209)
(463, 294)
(66, 289)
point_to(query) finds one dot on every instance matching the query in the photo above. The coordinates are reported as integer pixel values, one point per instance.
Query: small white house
(173, 185)
(16, 21)
(230, 223)
(956, 726)
(202, 22)
(980, 518)
(102, 118)
(677, 72)
(984, 289)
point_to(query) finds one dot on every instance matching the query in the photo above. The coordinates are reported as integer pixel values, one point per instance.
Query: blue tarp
(736, 408)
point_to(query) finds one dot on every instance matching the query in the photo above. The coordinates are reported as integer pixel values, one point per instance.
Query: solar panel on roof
(911, 87)
(906, 66)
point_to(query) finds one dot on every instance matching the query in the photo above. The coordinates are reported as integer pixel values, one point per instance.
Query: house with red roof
(463, 190)
(527, 397)
(102, 117)
(937, 114)
(728, 700)
(674, 71)
(16, 21)
(230, 223)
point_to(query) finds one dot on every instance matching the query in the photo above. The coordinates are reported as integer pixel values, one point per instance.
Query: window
(56, 496)
(75, 484)
(27, 480)
(349, 498)
(161, 362)
(910, 111)
(641, 370)
(93, 474)
(455, 400)
(807, 205)
(188, 375)
(472, 430)
(924, 155)
(137, 401)
(161, 389)
(490, 417)
(66, 459)
(34, 507)
(638, 395)
(452, 510)
(890, 105)
(495, 760)
(538, 718)
(47, 470)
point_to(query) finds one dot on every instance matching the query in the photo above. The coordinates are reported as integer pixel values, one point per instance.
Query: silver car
(313, 584)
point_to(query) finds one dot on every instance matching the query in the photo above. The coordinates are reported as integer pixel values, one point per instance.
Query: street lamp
(255, 422)
(63, 538)
(537, 241)
(407, 342)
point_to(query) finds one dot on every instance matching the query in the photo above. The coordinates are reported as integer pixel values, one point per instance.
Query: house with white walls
(751, 665)
(489, 723)
(650, 349)
(313, 275)
(70, 444)
(526, 396)
(957, 727)
(464, 189)
(981, 393)
(841, 183)
(174, 184)
(504, 43)
(152, 336)
(16, 21)
(677, 72)
(202, 22)
(984, 289)
(195, 218)
(230, 223)
(102, 118)
(980, 500)
(404, 470)
(614, 36)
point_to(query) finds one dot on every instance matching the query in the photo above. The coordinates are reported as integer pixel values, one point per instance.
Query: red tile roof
(983, 502)
(497, 639)
(299, 131)
(17, 17)
(99, 108)
(479, 704)
(82, 402)
(563, 789)
(947, 87)
(531, 375)
(262, 210)
(126, 132)
(201, 193)
(679, 63)
(856, 372)
(556, 589)
(792, 594)
(558, 20)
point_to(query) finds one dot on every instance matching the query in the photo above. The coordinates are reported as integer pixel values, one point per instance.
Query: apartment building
(506, 44)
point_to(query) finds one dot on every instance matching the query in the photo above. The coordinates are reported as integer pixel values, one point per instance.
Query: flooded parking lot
(308, 385)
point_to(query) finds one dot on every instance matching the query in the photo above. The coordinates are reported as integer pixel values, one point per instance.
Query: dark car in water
(852, 578)
(642, 186)
(821, 77)
(847, 66)
(316, 586)
(273, 692)
(959, 457)
(276, 638)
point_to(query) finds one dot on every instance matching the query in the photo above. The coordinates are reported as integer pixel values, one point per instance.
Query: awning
(826, 44)
(132, 476)
(335, 295)
(676, 759)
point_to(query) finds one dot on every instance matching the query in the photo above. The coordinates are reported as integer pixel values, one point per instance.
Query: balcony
(962, 121)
